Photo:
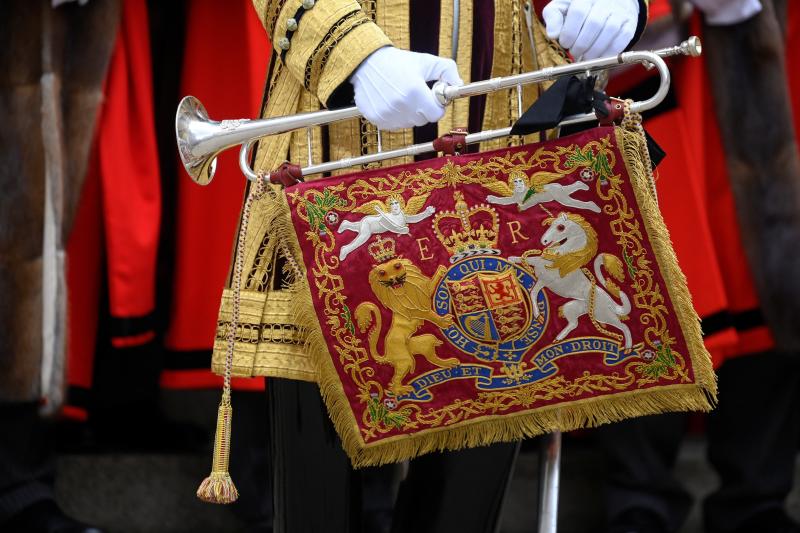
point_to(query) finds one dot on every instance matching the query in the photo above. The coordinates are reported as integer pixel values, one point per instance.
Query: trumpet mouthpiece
(692, 46)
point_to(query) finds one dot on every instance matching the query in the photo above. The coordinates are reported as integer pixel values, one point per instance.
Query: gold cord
(218, 487)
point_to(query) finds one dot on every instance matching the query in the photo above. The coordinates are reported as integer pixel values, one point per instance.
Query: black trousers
(752, 442)
(26, 459)
(316, 489)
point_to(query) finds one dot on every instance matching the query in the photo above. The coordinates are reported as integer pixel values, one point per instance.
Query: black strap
(570, 96)
(657, 154)
(567, 96)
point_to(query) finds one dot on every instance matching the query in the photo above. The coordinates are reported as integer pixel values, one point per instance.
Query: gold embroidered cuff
(347, 54)
(246, 334)
(266, 342)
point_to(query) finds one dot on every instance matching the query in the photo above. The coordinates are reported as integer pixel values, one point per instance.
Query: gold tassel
(218, 487)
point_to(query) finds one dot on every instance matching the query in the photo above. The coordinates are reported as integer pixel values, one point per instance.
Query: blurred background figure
(730, 192)
(54, 63)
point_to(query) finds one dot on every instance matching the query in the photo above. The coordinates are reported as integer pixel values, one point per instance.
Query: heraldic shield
(487, 297)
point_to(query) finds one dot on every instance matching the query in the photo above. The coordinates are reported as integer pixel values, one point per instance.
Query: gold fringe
(632, 143)
(589, 412)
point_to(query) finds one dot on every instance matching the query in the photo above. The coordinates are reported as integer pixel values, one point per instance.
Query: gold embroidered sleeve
(320, 42)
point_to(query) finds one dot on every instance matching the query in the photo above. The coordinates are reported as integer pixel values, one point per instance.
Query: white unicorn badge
(539, 189)
(393, 217)
(570, 243)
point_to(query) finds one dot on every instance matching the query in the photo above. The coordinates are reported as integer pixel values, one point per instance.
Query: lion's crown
(382, 249)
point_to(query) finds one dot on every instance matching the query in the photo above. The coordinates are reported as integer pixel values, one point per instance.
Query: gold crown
(467, 230)
(382, 249)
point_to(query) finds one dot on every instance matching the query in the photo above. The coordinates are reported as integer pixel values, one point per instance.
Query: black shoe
(46, 517)
(638, 521)
(774, 521)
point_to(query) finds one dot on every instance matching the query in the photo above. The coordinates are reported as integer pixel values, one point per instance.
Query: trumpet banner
(487, 297)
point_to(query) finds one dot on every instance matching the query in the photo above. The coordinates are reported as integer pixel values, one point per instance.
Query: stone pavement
(136, 492)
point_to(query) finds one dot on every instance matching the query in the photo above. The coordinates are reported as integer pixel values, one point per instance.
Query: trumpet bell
(190, 121)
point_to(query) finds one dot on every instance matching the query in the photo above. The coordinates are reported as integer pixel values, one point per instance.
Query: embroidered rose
(331, 217)
(648, 355)
(390, 403)
(587, 174)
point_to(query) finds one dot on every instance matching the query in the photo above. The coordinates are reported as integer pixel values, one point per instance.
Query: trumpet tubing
(201, 140)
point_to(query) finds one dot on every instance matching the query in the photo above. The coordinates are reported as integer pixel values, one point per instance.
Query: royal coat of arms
(492, 296)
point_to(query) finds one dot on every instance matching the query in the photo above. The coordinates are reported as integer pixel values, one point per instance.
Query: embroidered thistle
(629, 263)
(595, 163)
(661, 363)
(320, 211)
(348, 322)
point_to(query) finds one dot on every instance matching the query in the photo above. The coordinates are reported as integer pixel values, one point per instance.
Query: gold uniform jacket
(317, 46)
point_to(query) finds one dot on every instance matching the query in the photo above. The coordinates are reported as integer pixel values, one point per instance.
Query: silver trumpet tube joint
(201, 140)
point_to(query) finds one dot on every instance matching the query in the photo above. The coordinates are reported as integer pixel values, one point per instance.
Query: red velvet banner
(484, 297)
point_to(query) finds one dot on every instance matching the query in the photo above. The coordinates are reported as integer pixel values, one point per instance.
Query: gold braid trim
(319, 57)
(501, 106)
(349, 52)
(271, 15)
(393, 18)
(368, 131)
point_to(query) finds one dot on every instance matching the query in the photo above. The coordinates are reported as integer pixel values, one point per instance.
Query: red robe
(120, 208)
(229, 80)
(698, 206)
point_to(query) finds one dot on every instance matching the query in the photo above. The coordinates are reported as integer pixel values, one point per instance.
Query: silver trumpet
(200, 139)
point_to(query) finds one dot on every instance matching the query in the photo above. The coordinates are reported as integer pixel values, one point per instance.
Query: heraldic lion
(405, 291)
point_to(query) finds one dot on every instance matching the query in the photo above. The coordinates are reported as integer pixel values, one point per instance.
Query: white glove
(391, 91)
(592, 28)
(726, 12)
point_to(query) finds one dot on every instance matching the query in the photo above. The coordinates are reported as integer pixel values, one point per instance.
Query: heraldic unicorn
(570, 244)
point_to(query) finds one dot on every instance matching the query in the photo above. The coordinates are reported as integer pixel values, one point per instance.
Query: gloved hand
(592, 28)
(391, 91)
(726, 12)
